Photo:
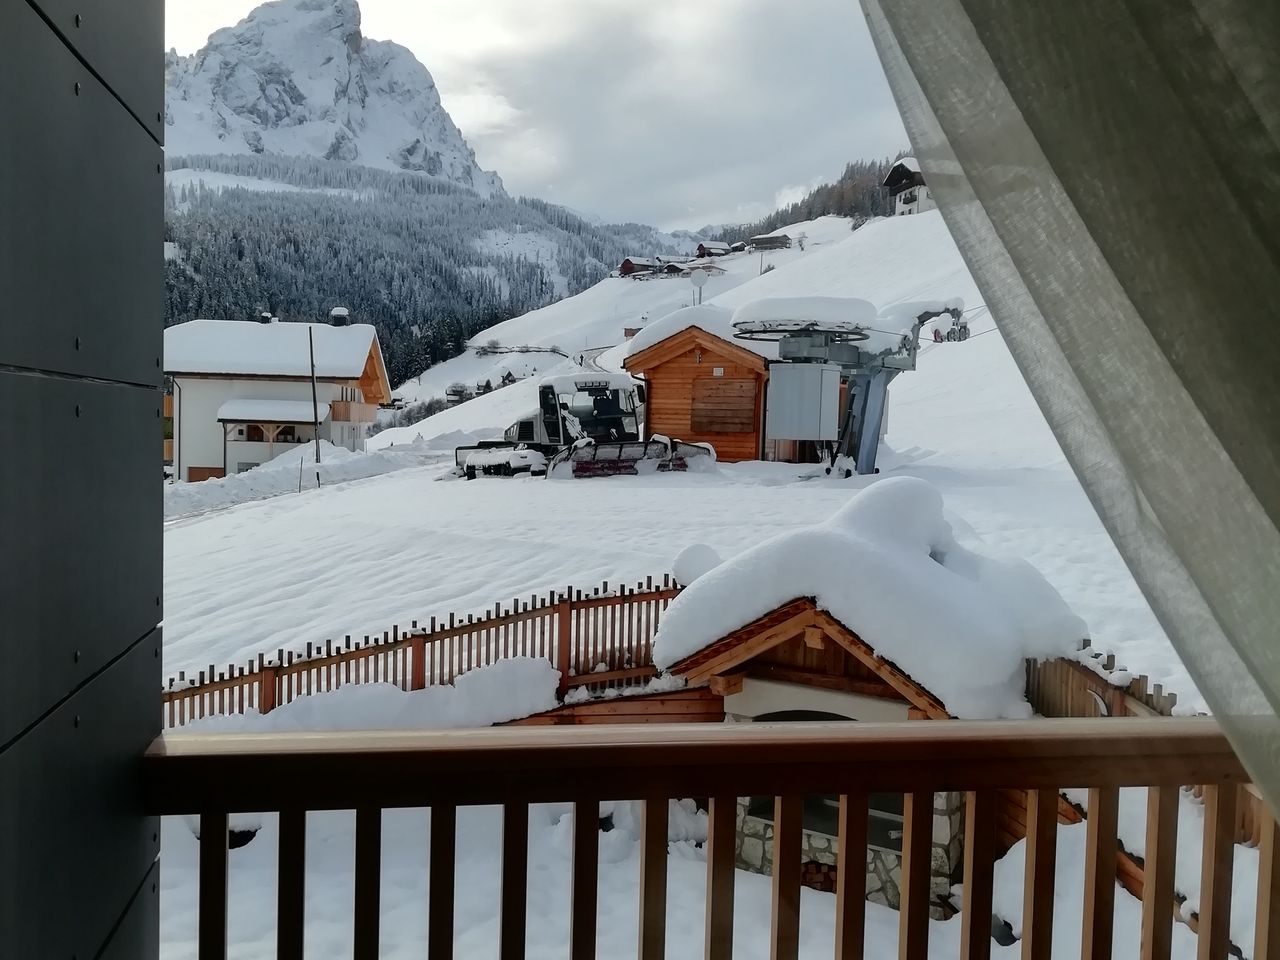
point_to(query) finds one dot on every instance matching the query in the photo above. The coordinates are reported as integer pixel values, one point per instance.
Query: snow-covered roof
(713, 245)
(640, 261)
(249, 410)
(267, 349)
(887, 566)
(715, 320)
(911, 163)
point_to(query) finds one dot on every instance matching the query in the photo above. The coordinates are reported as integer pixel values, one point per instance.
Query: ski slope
(357, 557)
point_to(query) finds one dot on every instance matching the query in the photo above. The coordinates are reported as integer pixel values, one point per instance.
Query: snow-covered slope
(297, 77)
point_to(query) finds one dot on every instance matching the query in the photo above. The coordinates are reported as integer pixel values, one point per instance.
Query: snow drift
(507, 690)
(888, 566)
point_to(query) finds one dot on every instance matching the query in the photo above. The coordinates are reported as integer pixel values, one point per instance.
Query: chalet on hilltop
(632, 265)
(906, 186)
(771, 241)
(242, 390)
(712, 248)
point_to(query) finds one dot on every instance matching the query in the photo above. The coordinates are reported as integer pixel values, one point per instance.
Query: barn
(637, 265)
(771, 241)
(712, 248)
(702, 385)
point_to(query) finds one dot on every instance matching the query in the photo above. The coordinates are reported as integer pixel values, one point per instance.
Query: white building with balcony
(242, 390)
(906, 186)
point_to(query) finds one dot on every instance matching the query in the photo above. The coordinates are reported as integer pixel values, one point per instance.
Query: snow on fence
(599, 639)
(1093, 685)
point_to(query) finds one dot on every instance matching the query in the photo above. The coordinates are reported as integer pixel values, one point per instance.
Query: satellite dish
(698, 278)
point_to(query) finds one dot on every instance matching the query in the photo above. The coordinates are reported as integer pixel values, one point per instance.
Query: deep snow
(404, 547)
(887, 566)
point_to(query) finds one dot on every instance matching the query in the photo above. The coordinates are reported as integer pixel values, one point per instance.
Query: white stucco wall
(198, 434)
(924, 201)
(759, 697)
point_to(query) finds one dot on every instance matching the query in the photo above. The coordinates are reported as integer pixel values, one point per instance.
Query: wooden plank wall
(698, 705)
(673, 387)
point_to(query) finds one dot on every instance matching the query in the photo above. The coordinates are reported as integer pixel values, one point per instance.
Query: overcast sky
(675, 114)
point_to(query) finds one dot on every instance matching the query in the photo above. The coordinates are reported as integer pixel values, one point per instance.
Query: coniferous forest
(402, 251)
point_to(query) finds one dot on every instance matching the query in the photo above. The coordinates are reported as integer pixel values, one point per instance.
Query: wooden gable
(693, 338)
(703, 388)
(375, 385)
(798, 643)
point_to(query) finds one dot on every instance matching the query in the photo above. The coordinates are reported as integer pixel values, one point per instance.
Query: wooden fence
(1096, 686)
(597, 639)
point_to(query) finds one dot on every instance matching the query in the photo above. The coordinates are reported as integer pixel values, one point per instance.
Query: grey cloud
(703, 129)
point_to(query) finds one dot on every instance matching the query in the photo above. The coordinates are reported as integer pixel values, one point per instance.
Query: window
(254, 433)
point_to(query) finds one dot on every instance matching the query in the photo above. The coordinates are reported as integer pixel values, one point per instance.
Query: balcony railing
(214, 776)
(352, 411)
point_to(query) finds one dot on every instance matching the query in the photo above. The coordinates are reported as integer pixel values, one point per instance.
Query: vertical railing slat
(1100, 873)
(722, 831)
(515, 880)
(1214, 926)
(851, 877)
(917, 857)
(368, 875)
(1042, 855)
(586, 859)
(1157, 868)
(442, 878)
(788, 814)
(979, 871)
(1267, 931)
(653, 879)
(291, 872)
(212, 914)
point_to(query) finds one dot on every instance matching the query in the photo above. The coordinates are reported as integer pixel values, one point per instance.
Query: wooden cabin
(633, 265)
(705, 389)
(771, 241)
(712, 248)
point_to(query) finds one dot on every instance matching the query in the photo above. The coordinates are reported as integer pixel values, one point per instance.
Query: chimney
(339, 316)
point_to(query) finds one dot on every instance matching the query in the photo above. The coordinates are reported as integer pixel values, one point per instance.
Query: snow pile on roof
(248, 410)
(267, 349)
(506, 690)
(694, 561)
(911, 163)
(888, 566)
(707, 316)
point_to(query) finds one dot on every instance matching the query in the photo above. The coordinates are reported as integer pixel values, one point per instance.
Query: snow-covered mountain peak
(297, 77)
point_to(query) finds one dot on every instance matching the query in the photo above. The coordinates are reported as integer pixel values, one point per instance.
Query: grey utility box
(804, 401)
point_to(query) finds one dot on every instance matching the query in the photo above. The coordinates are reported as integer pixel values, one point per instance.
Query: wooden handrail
(324, 771)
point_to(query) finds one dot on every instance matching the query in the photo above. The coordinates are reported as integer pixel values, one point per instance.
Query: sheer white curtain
(1110, 170)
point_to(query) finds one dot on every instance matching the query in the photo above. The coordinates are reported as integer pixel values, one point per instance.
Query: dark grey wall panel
(80, 483)
(123, 41)
(138, 934)
(81, 195)
(76, 846)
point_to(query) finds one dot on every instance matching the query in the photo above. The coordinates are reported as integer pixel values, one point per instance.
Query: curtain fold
(1111, 173)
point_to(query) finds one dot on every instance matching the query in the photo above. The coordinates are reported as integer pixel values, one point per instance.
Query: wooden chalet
(703, 388)
(632, 265)
(771, 241)
(712, 248)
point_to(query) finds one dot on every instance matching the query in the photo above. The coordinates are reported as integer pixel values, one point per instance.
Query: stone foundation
(883, 867)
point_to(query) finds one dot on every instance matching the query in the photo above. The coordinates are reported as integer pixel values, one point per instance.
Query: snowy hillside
(594, 319)
(297, 77)
(965, 421)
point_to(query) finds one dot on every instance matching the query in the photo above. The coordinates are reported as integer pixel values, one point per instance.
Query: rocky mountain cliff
(297, 78)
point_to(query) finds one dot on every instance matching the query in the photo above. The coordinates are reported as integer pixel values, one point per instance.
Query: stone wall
(884, 868)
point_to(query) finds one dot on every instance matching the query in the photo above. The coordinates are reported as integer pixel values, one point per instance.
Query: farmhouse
(771, 241)
(906, 186)
(712, 248)
(636, 265)
(242, 390)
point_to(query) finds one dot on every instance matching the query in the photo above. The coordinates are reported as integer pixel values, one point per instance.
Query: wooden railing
(214, 776)
(602, 638)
